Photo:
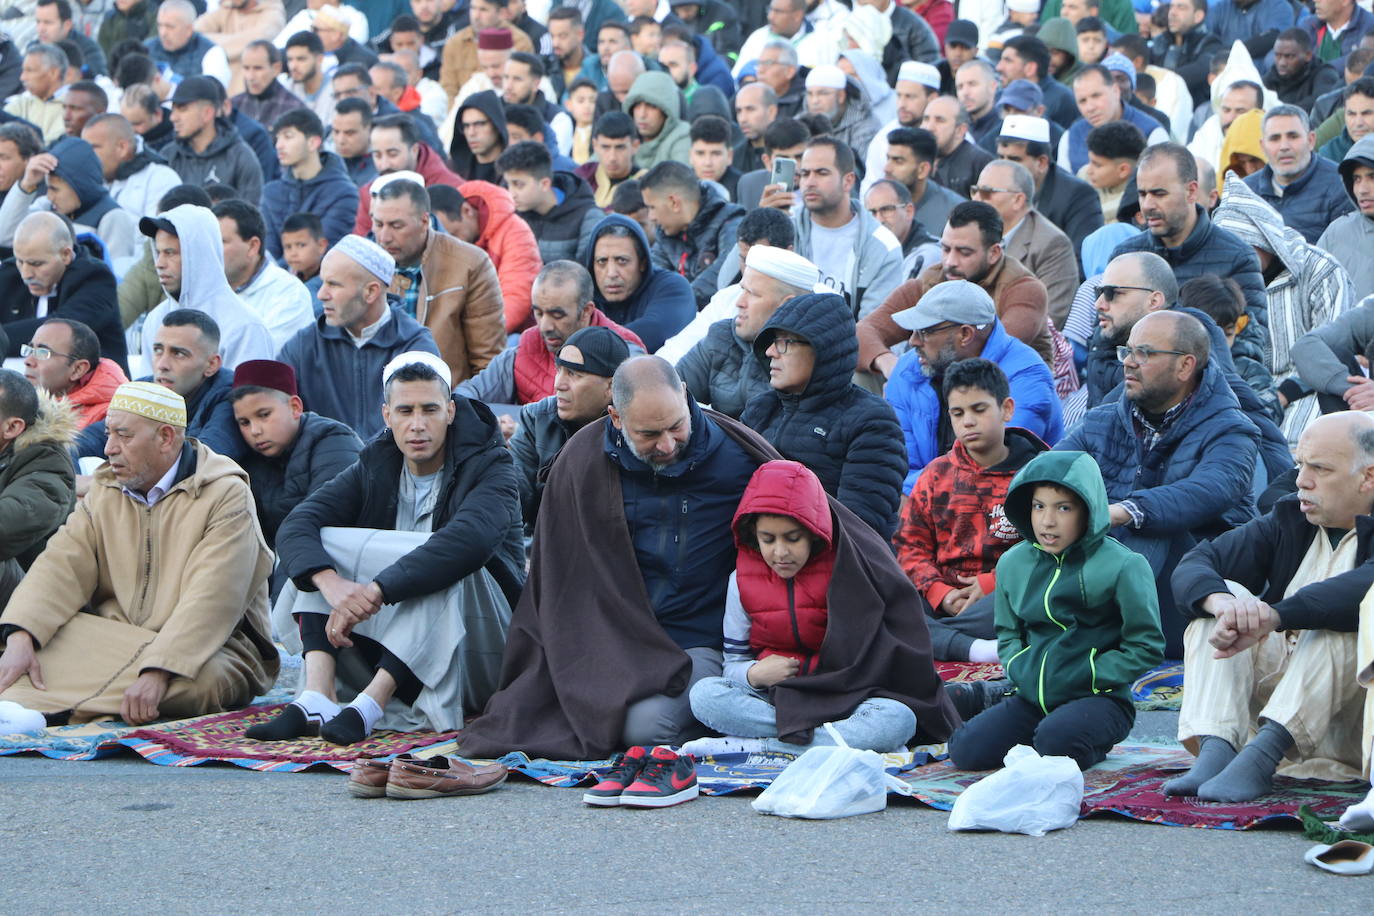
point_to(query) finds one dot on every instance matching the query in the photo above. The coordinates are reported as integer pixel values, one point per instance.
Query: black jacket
(1316, 77)
(86, 293)
(848, 436)
(476, 521)
(912, 39)
(323, 449)
(465, 164)
(1071, 204)
(1263, 556)
(960, 169)
(1191, 60)
(564, 230)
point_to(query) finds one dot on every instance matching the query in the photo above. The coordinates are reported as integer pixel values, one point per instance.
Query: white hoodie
(204, 287)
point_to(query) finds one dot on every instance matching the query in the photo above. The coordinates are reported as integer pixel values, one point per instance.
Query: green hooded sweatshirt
(1060, 35)
(674, 141)
(1081, 623)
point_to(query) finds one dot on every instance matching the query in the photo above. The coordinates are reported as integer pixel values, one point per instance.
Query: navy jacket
(1263, 555)
(86, 293)
(476, 519)
(679, 519)
(1310, 202)
(331, 195)
(344, 382)
(209, 418)
(663, 302)
(847, 436)
(323, 449)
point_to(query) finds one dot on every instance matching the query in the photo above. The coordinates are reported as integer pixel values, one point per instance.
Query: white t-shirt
(832, 251)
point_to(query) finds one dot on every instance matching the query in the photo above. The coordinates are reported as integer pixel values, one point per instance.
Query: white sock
(318, 707)
(983, 650)
(20, 720)
(711, 747)
(368, 709)
(1359, 817)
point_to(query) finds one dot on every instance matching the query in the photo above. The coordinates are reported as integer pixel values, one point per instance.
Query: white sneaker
(1359, 817)
(715, 747)
(18, 720)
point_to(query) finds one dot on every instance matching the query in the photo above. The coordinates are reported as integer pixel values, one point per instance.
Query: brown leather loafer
(440, 777)
(368, 777)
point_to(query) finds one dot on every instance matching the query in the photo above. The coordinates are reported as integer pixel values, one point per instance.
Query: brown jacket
(1019, 297)
(460, 302)
(191, 571)
(460, 57)
(1044, 250)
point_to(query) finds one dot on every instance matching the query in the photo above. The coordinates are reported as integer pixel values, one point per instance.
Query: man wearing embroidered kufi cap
(166, 552)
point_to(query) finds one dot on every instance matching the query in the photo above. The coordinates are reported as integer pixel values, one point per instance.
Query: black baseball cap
(198, 89)
(149, 226)
(962, 32)
(594, 350)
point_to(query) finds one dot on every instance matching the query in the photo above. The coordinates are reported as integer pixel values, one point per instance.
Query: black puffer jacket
(721, 370)
(849, 437)
(323, 449)
(476, 520)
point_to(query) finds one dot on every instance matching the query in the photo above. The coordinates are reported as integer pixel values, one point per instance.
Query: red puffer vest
(534, 366)
(786, 616)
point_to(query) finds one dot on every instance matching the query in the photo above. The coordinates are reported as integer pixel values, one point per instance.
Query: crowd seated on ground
(829, 334)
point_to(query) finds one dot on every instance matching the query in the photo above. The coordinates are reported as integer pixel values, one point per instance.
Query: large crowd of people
(665, 378)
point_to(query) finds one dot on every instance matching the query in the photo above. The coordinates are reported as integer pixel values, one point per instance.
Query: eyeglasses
(926, 332)
(880, 212)
(981, 190)
(1142, 355)
(783, 344)
(1109, 291)
(39, 352)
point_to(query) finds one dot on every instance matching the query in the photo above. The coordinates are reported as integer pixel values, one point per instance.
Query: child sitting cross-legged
(818, 628)
(1077, 623)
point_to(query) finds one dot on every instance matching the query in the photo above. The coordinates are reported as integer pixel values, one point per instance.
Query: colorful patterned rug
(1160, 688)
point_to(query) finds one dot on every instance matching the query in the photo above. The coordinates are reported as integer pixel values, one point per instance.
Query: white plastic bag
(828, 782)
(1031, 795)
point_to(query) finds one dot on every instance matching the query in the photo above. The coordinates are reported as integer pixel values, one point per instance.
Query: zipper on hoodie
(1058, 568)
(1092, 666)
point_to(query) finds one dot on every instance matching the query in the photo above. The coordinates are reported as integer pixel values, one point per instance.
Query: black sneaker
(668, 778)
(624, 770)
(972, 697)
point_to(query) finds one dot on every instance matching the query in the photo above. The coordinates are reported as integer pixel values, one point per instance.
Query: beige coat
(234, 30)
(180, 587)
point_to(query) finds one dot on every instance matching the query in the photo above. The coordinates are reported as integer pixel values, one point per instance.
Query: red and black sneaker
(624, 770)
(667, 779)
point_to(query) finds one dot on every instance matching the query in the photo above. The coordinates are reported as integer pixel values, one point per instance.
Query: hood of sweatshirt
(658, 89)
(78, 166)
(489, 103)
(1073, 471)
(1243, 136)
(493, 204)
(1059, 34)
(827, 324)
(1362, 153)
(202, 259)
(786, 488)
(1250, 218)
(641, 245)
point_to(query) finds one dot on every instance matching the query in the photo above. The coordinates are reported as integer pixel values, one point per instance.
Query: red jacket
(534, 365)
(786, 616)
(953, 524)
(91, 397)
(510, 243)
(428, 166)
(938, 14)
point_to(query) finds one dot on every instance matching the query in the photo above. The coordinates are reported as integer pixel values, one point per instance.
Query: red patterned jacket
(953, 524)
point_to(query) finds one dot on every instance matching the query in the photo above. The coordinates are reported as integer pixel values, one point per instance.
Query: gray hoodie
(243, 336)
(874, 266)
(1351, 238)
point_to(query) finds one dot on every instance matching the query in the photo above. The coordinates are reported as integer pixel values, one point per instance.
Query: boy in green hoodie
(1077, 622)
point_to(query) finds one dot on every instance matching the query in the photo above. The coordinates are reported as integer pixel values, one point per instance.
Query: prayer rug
(1129, 783)
(70, 742)
(1159, 688)
(963, 672)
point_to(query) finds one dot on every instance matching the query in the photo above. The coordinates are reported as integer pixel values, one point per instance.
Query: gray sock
(1251, 774)
(1212, 757)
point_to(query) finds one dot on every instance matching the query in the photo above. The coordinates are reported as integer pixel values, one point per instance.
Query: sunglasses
(1109, 291)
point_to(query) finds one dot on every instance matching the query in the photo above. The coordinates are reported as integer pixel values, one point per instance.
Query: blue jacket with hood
(663, 302)
(331, 195)
(847, 436)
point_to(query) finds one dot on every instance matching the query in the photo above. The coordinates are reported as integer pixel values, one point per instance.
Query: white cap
(783, 265)
(1023, 6)
(924, 74)
(368, 255)
(382, 181)
(826, 76)
(1026, 127)
(412, 357)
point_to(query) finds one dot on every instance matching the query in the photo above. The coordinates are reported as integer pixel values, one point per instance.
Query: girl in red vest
(775, 621)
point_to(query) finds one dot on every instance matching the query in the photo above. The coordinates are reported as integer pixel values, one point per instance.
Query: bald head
(640, 374)
(622, 70)
(1335, 459)
(1186, 333)
(45, 230)
(649, 407)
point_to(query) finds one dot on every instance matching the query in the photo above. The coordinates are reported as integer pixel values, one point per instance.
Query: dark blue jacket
(1194, 484)
(209, 418)
(1361, 21)
(323, 449)
(185, 61)
(1212, 250)
(918, 403)
(331, 195)
(847, 436)
(679, 520)
(344, 382)
(1078, 134)
(662, 304)
(260, 142)
(712, 70)
(1310, 202)
(476, 519)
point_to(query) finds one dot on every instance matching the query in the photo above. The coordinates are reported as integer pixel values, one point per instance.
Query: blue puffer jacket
(331, 195)
(1211, 250)
(917, 402)
(679, 519)
(1195, 483)
(847, 436)
(1311, 201)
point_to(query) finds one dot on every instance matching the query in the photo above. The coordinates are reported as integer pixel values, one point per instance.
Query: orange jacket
(92, 398)
(509, 242)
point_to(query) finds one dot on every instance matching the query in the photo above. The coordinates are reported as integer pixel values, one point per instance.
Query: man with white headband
(404, 569)
(151, 601)
(721, 369)
(829, 92)
(338, 360)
